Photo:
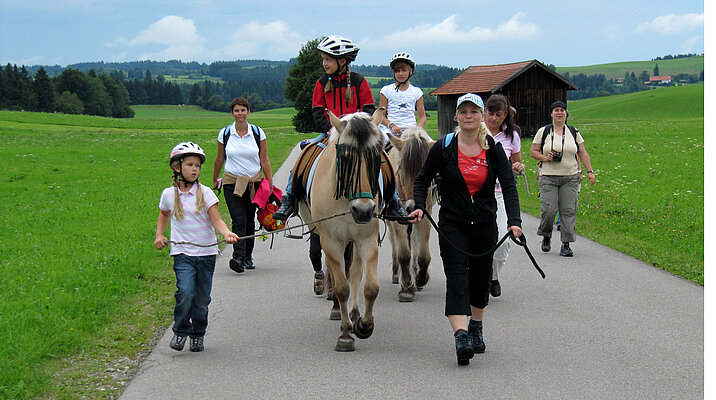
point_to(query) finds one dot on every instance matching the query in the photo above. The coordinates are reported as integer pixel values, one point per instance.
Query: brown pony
(346, 178)
(411, 250)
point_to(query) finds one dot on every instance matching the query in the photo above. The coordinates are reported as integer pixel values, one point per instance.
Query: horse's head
(413, 145)
(359, 144)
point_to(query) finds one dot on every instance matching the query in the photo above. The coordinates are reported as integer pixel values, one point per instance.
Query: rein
(522, 242)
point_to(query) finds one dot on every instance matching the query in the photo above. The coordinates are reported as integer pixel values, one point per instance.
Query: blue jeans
(194, 276)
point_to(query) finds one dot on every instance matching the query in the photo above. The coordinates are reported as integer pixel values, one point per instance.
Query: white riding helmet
(338, 46)
(402, 57)
(184, 149)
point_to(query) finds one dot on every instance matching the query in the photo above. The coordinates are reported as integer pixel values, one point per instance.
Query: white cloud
(179, 34)
(262, 40)
(612, 32)
(671, 24)
(688, 46)
(448, 32)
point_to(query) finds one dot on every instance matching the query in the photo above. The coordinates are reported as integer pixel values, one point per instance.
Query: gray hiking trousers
(558, 193)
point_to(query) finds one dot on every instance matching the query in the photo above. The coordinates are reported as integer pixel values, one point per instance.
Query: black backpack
(254, 129)
(548, 130)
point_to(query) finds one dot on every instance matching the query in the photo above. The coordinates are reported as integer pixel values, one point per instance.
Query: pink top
(510, 146)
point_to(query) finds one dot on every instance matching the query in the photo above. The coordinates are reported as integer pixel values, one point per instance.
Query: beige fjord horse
(346, 178)
(411, 249)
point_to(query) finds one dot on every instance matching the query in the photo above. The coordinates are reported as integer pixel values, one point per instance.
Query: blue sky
(452, 33)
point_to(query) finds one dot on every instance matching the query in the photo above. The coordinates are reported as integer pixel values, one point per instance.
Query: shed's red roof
(486, 78)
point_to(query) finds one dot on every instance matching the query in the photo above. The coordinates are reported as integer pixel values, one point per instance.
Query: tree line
(71, 92)
(597, 85)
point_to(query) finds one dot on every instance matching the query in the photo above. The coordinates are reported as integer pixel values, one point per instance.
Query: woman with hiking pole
(558, 147)
(469, 162)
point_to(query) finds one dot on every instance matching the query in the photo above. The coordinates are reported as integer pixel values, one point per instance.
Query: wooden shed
(530, 86)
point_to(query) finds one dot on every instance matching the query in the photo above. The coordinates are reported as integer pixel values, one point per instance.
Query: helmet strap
(180, 177)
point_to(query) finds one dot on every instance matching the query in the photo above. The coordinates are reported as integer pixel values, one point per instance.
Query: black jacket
(457, 206)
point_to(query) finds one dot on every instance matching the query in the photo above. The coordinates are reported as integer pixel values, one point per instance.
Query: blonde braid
(349, 92)
(178, 210)
(329, 85)
(200, 203)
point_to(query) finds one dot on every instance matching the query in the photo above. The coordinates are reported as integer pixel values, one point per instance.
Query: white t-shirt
(401, 104)
(509, 146)
(242, 153)
(568, 165)
(196, 226)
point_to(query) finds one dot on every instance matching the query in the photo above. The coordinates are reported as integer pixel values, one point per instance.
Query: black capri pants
(467, 278)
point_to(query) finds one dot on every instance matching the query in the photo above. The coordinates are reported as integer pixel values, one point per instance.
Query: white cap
(472, 98)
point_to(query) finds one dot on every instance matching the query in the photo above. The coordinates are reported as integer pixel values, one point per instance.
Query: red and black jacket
(335, 100)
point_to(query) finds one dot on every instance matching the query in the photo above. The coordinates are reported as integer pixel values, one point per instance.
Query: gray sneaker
(177, 343)
(196, 344)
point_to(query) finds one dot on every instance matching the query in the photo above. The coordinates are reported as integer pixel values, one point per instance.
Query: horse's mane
(414, 152)
(359, 132)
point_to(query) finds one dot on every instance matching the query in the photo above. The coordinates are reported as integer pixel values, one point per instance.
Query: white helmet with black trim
(402, 57)
(184, 149)
(338, 47)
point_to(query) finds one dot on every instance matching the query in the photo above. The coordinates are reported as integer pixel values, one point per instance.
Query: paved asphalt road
(602, 325)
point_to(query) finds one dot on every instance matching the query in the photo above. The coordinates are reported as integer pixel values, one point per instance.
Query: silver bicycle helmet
(402, 57)
(184, 149)
(338, 46)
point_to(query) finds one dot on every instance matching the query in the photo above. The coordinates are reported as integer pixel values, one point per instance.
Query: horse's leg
(407, 284)
(341, 291)
(356, 276)
(394, 246)
(363, 327)
(423, 254)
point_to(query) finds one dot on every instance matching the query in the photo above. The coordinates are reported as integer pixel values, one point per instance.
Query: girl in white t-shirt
(401, 99)
(192, 209)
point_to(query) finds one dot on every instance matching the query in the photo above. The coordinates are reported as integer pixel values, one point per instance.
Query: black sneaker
(565, 250)
(284, 212)
(495, 288)
(249, 263)
(196, 344)
(463, 347)
(236, 265)
(177, 343)
(546, 246)
(475, 331)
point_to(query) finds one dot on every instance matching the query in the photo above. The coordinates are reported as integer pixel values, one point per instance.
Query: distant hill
(670, 103)
(689, 65)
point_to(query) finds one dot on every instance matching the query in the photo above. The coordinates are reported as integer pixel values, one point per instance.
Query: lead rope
(264, 232)
(522, 242)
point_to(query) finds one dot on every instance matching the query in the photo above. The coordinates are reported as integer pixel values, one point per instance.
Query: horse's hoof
(396, 279)
(354, 315)
(422, 279)
(345, 344)
(335, 314)
(362, 331)
(406, 296)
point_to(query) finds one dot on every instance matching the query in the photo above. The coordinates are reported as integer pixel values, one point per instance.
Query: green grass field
(687, 65)
(85, 293)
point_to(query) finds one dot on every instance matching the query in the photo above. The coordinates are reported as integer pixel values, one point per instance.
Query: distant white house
(655, 80)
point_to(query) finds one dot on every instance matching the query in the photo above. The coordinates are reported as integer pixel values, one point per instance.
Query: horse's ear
(431, 142)
(397, 142)
(337, 123)
(378, 116)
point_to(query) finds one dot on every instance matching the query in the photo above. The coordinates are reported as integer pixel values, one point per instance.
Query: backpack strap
(254, 130)
(227, 135)
(548, 130)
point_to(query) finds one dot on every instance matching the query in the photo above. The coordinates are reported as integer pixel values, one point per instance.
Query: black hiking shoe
(196, 344)
(546, 246)
(284, 212)
(565, 250)
(475, 331)
(249, 263)
(177, 343)
(495, 288)
(236, 265)
(394, 211)
(463, 347)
